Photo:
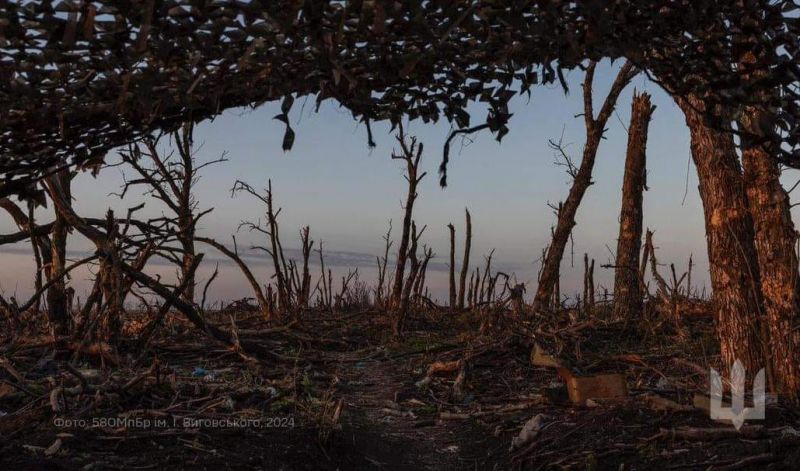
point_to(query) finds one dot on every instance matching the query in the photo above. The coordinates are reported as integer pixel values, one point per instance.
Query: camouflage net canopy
(78, 78)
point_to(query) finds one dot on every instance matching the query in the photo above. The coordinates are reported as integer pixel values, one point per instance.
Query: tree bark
(57, 309)
(186, 217)
(627, 284)
(187, 266)
(411, 154)
(452, 282)
(775, 238)
(582, 180)
(465, 262)
(729, 234)
(39, 239)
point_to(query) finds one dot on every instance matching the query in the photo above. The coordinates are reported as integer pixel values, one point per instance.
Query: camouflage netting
(81, 77)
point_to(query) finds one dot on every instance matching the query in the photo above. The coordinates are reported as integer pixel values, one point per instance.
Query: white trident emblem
(737, 413)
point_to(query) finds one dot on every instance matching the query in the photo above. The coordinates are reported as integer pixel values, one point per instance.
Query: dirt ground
(336, 393)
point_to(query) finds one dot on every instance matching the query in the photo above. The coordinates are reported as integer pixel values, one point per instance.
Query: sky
(347, 192)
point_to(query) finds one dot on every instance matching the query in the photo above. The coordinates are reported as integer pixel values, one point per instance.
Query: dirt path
(392, 423)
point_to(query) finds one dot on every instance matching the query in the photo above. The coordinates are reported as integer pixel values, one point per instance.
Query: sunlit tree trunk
(729, 234)
(627, 284)
(777, 261)
(582, 179)
(775, 238)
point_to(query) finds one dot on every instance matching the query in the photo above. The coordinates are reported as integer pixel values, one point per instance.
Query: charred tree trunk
(276, 252)
(383, 263)
(111, 284)
(263, 300)
(419, 289)
(171, 180)
(411, 153)
(305, 285)
(57, 308)
(582, 178)
(107, 251)
(729, 233)
(186, 217)
(588, 284)
(627, 283)
(465, 262)
(408, 285)
(40, 243)
(187, 262)
(452, 281)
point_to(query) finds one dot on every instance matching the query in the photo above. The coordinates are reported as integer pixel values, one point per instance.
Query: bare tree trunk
(276, 251)
(411, 154)
(627, 283)
(582, 179)
(305, 284)
(380, 295)
(405, 301)
(111, 284)
(186, 219)
(423, 270)
(171, 181)
(57, 309)
(588, 284)
(100, 240)
(42, 247)
(465, 262)
(452, 282)
(775, 237)
(729, 233)
(37, 255)
(261, 298)
(187, 262)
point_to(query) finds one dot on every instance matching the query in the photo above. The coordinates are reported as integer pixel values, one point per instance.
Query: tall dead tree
(588, 284)
(775, 238)
(262, 298)
(293, 282)
(627, 284)
(465, 263)
(419, 286)
(303, 284)
(401, 312)
(40, 243)
(734, 270)
(452, 279)
(109, 254)
(383, 263)
(410, 153)
(775, 235)
(582, 179)
(275, 249)
(171, 180)
(57, 297)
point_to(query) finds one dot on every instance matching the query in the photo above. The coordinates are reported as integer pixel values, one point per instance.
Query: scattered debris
(594, 387)
(529, 432)
(656, 402)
